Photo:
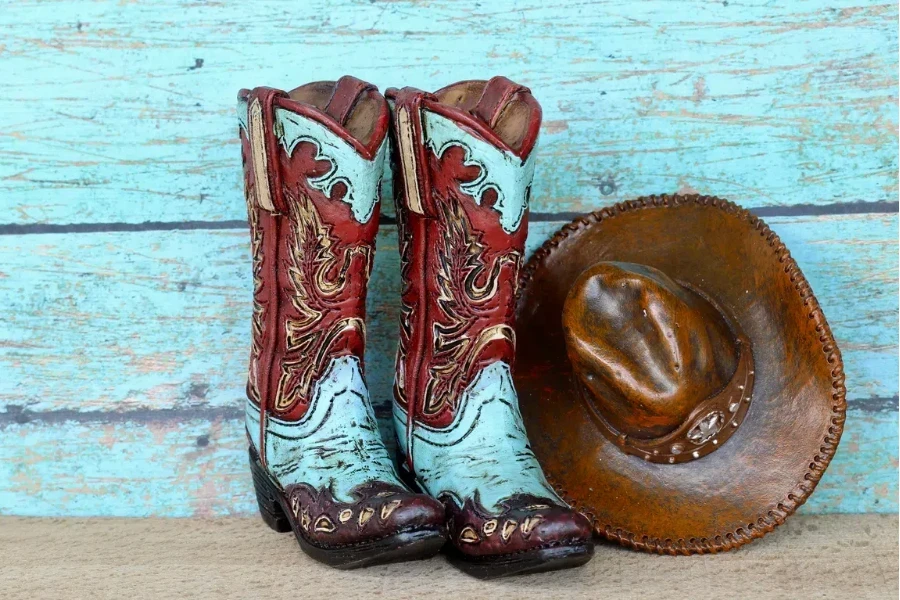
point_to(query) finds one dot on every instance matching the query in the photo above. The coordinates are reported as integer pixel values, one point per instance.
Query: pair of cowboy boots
(463, 161)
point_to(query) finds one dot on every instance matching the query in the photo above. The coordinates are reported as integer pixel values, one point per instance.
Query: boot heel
(267, 498)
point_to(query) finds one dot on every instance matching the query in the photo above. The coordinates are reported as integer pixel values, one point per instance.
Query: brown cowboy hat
(678, 380)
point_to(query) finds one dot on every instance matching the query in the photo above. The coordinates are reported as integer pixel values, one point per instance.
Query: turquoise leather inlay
(501, 171)
(484, 454)
(336, 445)
(361, 176)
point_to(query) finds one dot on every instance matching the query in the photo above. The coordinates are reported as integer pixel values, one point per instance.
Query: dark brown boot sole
(539, 560)
(402, 546)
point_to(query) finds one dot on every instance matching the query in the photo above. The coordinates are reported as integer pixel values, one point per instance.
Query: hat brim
(773, 461)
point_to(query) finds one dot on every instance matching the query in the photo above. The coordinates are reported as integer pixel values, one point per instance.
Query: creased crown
(647, 349)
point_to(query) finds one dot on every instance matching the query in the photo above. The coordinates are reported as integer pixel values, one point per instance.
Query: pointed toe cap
(559, 526)
(526, 524)
(381, 510)
(409, 512)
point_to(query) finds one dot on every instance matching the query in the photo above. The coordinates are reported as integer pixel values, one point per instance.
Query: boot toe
(528, 524)
(381, 511)
(560, 526)
(411, 512)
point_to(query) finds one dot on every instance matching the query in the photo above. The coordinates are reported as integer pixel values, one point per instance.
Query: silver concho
(706, 428)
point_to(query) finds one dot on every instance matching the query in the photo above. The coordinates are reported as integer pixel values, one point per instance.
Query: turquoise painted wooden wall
(124, 261)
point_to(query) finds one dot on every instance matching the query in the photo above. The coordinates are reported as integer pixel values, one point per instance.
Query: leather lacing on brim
(778, 511)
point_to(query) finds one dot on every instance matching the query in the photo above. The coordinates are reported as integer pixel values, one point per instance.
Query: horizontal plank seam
(796, 210)
(19, 415)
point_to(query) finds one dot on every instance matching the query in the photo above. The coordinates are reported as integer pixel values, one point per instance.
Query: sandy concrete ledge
(836, 556)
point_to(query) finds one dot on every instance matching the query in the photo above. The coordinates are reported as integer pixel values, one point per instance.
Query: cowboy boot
(313, 161)
(464, 161)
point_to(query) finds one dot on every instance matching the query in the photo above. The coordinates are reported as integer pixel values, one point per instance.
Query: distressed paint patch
(362, 177)
(336, 445)
(504, 172)
(484, 454)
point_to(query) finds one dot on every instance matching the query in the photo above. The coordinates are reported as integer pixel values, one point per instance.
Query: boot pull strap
(267, 196)
(410, 136)
(347, 93)
(496, 95)
(264, 148)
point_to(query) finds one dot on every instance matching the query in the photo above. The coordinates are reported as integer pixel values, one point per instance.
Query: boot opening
(511, 121)
(360, 120)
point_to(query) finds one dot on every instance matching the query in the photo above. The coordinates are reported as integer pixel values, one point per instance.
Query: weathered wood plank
(123, 112)
(125, 469)
(160, 320)
(852, 266)
(199, 467)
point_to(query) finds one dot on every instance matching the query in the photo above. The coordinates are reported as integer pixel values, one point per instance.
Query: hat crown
(647, 349)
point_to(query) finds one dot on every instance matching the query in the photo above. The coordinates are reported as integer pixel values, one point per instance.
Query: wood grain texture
(124, 111)
(161, 320)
